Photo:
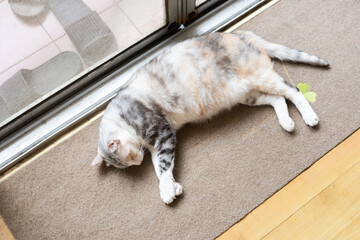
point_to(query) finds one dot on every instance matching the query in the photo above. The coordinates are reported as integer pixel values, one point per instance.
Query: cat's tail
(287, 54)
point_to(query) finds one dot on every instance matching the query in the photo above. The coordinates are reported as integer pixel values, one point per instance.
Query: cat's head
(119, 153)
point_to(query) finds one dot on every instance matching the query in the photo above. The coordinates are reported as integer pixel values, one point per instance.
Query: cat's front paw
(169, 190)
(178, 189)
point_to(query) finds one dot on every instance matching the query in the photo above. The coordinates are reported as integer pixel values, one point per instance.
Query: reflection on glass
(45, 43)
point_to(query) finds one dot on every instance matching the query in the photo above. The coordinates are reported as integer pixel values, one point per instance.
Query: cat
(191, 81)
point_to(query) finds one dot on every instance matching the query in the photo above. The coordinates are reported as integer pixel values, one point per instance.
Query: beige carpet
(227, 166)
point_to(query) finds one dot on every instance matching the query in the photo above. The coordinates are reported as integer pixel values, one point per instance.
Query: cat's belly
(200, 104)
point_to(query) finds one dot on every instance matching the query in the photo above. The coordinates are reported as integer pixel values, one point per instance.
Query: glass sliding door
(47, 45)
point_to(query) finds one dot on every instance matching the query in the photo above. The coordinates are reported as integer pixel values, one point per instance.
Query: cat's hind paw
(287, 124)
(311, 119)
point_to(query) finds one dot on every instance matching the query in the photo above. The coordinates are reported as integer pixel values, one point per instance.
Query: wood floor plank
(327, 214)
(350, 232)
(5, 233)
(298, 192)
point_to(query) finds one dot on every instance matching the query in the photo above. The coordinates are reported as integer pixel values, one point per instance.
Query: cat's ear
(113, 145)
(97, 160)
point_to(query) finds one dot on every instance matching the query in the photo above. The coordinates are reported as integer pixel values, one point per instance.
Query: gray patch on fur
(150, 123)
(224, 63)
(250, 100)
(290, 85)
(245, 47)
(212, 41)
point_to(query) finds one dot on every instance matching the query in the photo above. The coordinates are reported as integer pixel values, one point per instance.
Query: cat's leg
(277, 102)
(163, 154)
(273, 84)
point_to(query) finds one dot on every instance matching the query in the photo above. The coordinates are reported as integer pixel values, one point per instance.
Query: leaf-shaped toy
(304, 88)
(310, 96)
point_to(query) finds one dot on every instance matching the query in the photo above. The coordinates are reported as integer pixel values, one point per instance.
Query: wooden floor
(321, 203)
(5, 234)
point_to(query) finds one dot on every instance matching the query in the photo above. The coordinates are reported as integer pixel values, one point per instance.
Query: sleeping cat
(192, 81)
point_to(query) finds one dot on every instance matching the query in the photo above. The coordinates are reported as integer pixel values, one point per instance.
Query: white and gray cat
(192, 81)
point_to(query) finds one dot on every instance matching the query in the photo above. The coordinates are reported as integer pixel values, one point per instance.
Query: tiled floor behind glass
(27, 43)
